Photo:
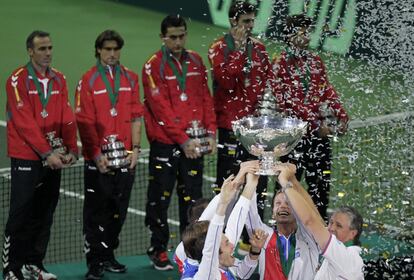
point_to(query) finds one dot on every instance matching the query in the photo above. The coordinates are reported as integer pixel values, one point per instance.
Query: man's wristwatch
(288, 186)
(136, 147)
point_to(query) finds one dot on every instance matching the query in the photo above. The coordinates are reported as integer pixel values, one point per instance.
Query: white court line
(4, 170)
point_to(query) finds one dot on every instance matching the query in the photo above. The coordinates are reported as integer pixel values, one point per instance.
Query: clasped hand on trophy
(58, 160)
(102, 163)
(193, 148)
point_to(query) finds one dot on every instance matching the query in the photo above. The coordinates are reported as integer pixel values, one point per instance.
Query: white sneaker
(34, 272)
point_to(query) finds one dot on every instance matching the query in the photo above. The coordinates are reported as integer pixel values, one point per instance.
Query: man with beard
(240, 70)
(303, 91)
(107, 109)
(176, 98)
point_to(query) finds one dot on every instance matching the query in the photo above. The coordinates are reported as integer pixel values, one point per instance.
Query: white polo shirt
(340, 262)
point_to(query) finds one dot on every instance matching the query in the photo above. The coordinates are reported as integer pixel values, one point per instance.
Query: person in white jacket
(339, 242)
(289, 252)
(209, 252)
(209, 211)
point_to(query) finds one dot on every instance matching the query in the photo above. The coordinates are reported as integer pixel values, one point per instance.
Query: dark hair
(108, 35)
(294, 23)
(194, 237)
(196, 209)
(172, 21)
(355, 223)
(34, 34)
(239, 8)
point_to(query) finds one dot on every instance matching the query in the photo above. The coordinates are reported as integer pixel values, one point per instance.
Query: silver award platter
(114, 150)
(269, 137)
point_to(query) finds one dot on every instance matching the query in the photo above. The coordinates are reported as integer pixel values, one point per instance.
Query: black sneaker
(159, 259)
(114, 266)
(95, 272)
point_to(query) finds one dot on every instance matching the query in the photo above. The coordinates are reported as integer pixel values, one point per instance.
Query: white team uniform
(207, 215)
(340, 262)
(305, 263)
(209, 266)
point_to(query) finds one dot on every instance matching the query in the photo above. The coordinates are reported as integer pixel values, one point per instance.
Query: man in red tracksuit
(38, 112)
(241, 72)
(176, 93)
(303, 91)
(107, 103)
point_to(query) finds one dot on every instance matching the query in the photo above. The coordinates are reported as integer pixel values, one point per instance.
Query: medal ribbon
(181, 77)
(304, 78)
(43, 99)
(249, 48)
(287, 264)
(112, 92)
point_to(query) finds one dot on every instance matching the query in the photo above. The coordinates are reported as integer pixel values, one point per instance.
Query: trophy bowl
(269, 137)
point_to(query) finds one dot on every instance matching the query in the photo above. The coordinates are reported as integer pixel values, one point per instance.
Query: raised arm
(209, 265)
(245, 268)
(310, 219)
(238, 215)
(245, 167)
(291, 170)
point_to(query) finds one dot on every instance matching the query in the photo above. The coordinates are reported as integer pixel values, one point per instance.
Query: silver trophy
(196, 131)
(115, 152)
(269, 137)
(56, 143)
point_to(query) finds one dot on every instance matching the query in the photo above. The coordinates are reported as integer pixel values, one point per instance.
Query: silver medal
(113, 112)
(44, 113)
(183, 97)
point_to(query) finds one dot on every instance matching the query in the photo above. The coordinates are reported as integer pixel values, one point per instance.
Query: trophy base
(267, 161)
